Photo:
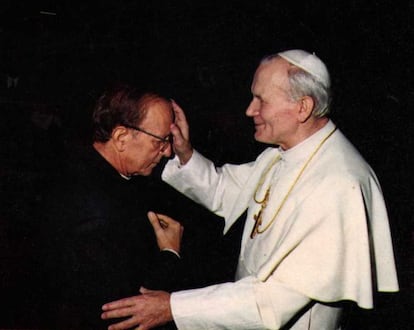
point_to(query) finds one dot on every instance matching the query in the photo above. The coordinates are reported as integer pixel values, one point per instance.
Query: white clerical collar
(303, 149)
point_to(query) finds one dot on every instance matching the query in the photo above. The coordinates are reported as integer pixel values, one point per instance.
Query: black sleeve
(165, 273)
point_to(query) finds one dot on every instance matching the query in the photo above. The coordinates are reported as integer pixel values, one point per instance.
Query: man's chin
(147, 172)
(149, 169)
(261, 139)
(258, 136)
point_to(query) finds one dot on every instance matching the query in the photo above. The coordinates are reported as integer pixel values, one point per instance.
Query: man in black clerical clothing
(98, 244)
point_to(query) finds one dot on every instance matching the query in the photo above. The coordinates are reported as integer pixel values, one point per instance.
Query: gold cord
(258, 217)
(262, 178)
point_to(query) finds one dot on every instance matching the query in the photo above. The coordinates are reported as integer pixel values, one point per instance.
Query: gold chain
(262, 178)
(258, 217)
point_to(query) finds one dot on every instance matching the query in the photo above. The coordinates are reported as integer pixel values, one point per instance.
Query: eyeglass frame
(164, 140)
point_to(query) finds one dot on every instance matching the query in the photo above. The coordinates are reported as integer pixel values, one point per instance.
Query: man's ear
(120, 135)
(306, 104)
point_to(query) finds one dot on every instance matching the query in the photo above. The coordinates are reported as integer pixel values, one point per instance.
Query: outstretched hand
(167, 231)
(181, 132)
(148, 310)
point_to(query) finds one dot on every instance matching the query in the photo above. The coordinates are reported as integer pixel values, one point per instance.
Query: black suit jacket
(96, 243)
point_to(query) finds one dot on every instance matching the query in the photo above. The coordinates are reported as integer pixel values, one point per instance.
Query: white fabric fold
(331, 240)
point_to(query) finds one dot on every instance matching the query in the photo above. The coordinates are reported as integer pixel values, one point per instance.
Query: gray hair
(302, 83)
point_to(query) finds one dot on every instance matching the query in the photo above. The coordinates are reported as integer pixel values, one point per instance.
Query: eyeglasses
(163, 141)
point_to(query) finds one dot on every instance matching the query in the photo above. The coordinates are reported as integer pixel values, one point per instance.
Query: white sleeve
(197, 179)
(245, 304)
(217, 188)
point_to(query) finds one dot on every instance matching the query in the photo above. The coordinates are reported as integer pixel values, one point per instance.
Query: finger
(168, 222)
(142, 327)
(179, 112)
(144, 290)
(121, 303)
(116, 313)
(166, 219)
(180, 125)
(163, 220)
(124, 325)
(176, 132)
(155, 221)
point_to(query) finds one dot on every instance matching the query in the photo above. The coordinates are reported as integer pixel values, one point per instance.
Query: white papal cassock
(329, 243)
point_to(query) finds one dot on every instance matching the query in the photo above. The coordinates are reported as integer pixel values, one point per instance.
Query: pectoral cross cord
(258, 217)
(263, 203)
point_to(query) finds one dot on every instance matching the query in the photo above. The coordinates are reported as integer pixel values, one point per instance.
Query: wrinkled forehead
(272, 73)
(156, 105)
(158, 112)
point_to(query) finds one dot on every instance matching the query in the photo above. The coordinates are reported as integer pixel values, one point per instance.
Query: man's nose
(252, 109)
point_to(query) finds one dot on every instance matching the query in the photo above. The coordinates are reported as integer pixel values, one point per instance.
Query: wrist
(185, 157)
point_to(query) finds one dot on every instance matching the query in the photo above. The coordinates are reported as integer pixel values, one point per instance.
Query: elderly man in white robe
(316, 236)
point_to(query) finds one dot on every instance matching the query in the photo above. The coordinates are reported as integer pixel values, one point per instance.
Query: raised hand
(181, 132)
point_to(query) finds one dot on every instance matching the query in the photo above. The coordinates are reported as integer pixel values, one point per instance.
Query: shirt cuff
(172, 251)
(222, 306)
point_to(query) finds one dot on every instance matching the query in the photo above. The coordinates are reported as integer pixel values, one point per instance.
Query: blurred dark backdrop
(57, 56)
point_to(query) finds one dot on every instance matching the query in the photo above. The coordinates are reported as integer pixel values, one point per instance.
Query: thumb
(144, 290)
(155, 222)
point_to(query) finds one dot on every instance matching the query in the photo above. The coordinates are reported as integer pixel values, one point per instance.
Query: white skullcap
(309, 63)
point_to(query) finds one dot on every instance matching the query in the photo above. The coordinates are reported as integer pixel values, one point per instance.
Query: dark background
(54, 64)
